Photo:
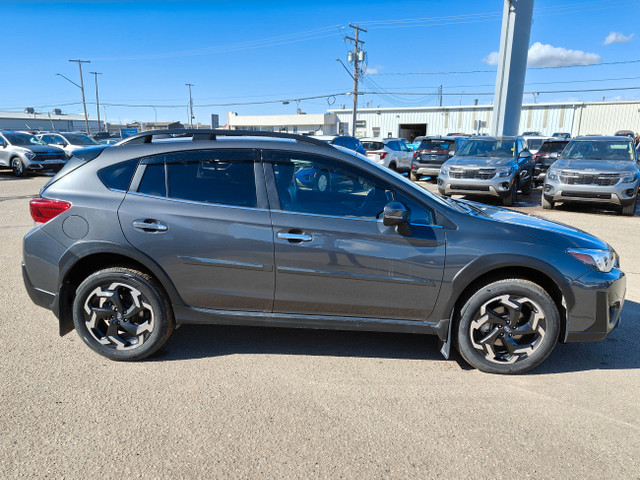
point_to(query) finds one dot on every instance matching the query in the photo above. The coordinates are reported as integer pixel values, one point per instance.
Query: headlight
(601, 260)
(30, 155)
(629, 177)
(504, 172)
(444, 170)
(552, 175)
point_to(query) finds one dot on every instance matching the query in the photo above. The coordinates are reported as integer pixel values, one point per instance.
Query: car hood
(540, 228)
(595, 166)
(469, 161)
(42, 149)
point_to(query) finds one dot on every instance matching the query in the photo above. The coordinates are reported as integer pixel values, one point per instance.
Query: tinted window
(437, 145)
(323, 186)
(209, 176)
(118, 176)
(599, 150)
(488, 148)
(534, 143)
(550, 147)
(418, 214)
(370, 146)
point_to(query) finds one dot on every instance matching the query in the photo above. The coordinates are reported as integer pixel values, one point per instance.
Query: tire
(546, 204)
(134, 326)
(510, 199)
(486, 337)
(392, 166)
(323, 182)
(629, 210)
(526, 190)
(17, 166)
(415, 177)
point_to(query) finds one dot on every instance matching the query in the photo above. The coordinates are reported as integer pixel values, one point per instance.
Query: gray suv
(215, 227)
(595, 170)
(498, 166)
(24, 153)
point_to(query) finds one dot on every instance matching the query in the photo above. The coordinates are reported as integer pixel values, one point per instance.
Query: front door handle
(295, 237)
(149, 226)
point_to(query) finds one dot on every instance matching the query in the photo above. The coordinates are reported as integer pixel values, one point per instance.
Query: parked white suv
(69, 142)
(392, 153)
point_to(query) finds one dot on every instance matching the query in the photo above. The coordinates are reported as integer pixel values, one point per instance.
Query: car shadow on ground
(617, 352)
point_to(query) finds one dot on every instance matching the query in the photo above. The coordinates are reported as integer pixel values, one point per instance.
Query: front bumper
(621, 194)
(599, 298)
(46, 166)
(497, 187)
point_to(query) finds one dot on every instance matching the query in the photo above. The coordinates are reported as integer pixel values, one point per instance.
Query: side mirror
(452, 153)
(395, 213)
(525, 154)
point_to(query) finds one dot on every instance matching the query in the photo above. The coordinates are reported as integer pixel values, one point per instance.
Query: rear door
(203, 217)
(334, 256)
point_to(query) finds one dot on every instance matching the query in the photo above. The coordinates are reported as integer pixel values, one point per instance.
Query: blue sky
(242, 51)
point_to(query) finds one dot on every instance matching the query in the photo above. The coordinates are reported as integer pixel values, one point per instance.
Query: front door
(199, 215)
(333, 254)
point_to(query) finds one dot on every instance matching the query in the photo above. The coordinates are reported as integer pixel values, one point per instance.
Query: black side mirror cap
(395, 213)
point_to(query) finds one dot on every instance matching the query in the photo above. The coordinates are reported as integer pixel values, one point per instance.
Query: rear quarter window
(118, 176)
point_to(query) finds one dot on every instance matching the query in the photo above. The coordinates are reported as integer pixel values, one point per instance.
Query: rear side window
(208, 176)
(118, 176)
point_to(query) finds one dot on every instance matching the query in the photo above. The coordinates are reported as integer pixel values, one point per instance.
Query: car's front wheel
(323, 182)
(547, 204)
(122, 314)
(508, 327)
(510, 198)
(630, 209)
(18, 167)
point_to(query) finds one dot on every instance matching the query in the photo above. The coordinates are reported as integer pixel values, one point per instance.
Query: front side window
(323, 186)
(207, 176)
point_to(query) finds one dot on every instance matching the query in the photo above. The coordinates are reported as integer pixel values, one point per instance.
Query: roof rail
(202, 134)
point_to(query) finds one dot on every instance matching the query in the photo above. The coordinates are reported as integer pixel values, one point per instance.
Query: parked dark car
(432, 153)
(496, 166)
(352, 143)
(595, 170)
(545, 156)
(563, 135)
(624, 133)
(135, 239)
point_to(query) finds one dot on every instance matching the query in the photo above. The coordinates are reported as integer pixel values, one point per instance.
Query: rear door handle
(149, 226)
(295, 237)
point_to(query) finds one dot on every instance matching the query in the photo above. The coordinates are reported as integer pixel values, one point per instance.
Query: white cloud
(373, 70)
(544, 55)
(617, 37)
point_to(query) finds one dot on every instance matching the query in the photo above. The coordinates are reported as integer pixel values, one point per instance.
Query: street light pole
(84, 103)
(95, 74)
(190, 104)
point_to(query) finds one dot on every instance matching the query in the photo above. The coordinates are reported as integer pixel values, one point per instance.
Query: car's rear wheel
(547, 204)
(18, 167)
(122, 314)
(508, 327)
(392, 166)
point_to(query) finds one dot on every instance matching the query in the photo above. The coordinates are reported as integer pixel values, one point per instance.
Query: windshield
(534, 143)
(552, 147)
(23, 139)
(438, 146)
(77, 139)
(488, 148)
(369, 146)
(599, 150)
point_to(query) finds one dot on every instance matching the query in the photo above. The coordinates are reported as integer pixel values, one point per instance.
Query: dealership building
(576, 118)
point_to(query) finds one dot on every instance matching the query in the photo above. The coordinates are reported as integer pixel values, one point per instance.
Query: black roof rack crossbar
(200, 134)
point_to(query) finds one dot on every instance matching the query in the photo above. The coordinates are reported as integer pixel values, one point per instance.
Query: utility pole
(440, 94)
(95, 74)
(190, 105)
(84, 103)
(358, 56)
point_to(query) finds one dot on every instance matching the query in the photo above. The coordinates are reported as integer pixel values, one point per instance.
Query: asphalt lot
(220, 402)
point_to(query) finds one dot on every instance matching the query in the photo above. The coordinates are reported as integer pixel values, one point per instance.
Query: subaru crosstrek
(498, 166)
(600, 170)
(214, 228)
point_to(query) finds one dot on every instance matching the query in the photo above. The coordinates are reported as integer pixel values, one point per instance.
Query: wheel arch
(82, 260)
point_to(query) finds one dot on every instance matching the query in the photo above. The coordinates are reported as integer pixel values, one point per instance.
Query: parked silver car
(24, 152)
(69, 142)
(392, 153)
(595, 170)
(498, 166)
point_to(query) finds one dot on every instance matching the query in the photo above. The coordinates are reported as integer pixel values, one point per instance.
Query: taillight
(382, 155)
(415, 154)
(44, 209)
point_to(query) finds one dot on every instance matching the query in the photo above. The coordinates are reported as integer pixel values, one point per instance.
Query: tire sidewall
(17, 172)
(514, 287)
(163, 319)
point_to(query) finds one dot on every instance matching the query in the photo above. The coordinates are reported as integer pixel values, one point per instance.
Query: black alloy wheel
(508, 327)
